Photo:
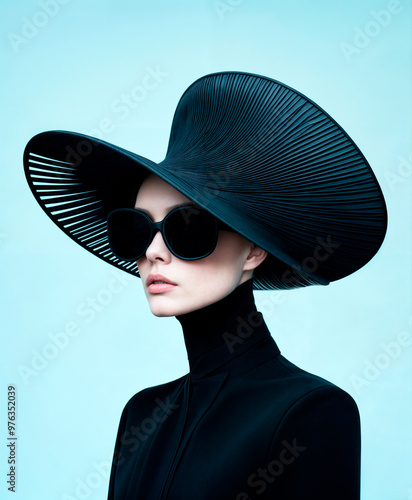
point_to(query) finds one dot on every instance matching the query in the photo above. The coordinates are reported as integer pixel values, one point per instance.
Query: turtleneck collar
(217, 334)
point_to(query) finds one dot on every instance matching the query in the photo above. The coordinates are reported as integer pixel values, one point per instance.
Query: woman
(260, 189)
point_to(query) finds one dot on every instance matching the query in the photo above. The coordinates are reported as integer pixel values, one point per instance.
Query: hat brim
(317, 209)
(77, 180)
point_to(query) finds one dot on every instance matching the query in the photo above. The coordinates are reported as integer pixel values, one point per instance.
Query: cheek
(220, 271)
(204, 285)
(230, 252)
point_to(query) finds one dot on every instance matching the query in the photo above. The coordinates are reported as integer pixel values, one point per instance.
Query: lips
(159, 284)
(158, 279)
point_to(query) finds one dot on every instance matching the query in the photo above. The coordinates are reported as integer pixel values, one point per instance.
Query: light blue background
(69, 74)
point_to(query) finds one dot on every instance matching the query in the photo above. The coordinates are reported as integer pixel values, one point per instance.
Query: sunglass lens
(129, 234)
(191, 232)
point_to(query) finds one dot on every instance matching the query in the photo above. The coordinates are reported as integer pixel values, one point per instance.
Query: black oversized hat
(257, 154)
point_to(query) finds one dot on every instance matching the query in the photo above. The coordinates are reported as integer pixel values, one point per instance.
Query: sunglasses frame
(159, 226)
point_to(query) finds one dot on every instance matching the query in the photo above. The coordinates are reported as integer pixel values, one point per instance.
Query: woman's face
(196, 283)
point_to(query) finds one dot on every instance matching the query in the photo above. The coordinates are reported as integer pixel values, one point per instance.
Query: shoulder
(323, 409)
(157, 398)
(318, 414)
(317, 439)
(303, 391)
(304, 404)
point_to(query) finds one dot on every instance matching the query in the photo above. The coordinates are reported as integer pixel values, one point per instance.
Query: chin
(163, 310)
(182, 303)
(162, 314)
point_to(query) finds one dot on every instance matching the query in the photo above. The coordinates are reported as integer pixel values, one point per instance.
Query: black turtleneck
(243, 424)
(218, 333)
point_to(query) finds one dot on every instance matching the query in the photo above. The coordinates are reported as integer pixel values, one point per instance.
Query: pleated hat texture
(257, 154)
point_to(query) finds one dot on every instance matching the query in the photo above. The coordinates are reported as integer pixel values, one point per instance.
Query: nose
(157, 250)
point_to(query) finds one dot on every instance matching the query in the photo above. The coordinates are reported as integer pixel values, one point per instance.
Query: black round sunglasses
(189, 232)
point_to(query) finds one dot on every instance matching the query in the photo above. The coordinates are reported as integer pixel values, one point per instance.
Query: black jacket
(244, 424)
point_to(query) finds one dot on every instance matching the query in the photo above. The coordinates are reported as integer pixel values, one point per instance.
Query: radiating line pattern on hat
(75, 210)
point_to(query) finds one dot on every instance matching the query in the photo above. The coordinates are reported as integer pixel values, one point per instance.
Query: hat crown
(235, 120)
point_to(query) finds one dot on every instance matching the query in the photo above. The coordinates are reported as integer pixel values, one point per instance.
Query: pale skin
(199, 283)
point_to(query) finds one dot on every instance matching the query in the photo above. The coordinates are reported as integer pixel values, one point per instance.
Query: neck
(218, 333)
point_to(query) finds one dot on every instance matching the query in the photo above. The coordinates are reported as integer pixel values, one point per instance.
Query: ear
(255, 257)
